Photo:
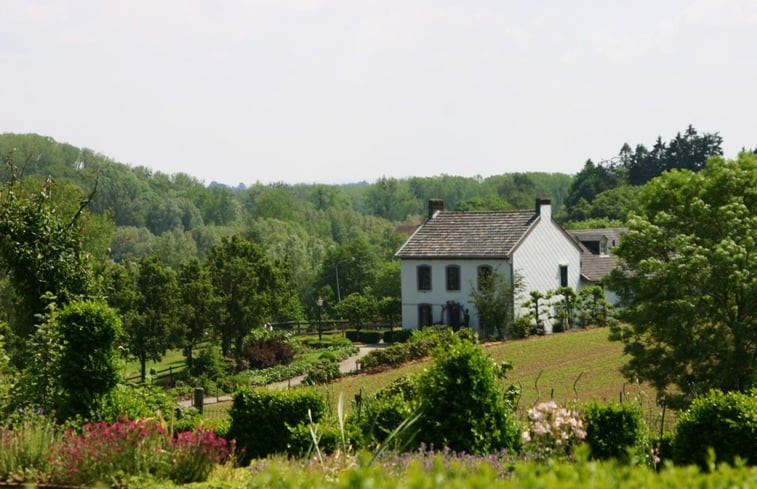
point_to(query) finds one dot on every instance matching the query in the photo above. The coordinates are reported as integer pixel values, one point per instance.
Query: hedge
(259, 419)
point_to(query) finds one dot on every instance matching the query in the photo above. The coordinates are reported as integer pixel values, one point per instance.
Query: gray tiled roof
(451, 234)
(595, 267)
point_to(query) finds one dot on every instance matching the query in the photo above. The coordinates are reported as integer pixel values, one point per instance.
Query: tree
(687, 280)
(152, 325)
(200, 309)
(494, 302)
(564, 306)
(593, 308)
(41, 250)
(248, 286)
(357, 308)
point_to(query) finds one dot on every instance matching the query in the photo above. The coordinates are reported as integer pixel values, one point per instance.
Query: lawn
(575, 366)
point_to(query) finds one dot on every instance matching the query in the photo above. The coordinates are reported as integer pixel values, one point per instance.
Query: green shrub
(25, 448)
(352, 335)
(615, 431)
(259, 419)
(521, 328)
(329, 436)
(397, 335)
(209, 363)
(462, 403)
(370, 337)
(132, 402)
(322, 372)
(380, 414)
(726, 423)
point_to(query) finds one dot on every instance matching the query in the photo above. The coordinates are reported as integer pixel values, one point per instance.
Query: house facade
(444, 260)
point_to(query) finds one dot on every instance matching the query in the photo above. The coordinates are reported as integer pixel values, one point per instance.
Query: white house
(442, 261)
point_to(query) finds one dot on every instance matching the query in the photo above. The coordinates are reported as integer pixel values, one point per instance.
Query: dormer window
(603, 245)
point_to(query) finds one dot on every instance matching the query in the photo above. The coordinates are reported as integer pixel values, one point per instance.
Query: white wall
(439, 295)
(538, 258)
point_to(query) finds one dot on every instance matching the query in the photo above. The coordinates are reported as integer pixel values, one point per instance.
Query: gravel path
(346, 366)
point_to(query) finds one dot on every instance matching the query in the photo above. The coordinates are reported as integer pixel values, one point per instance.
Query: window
(563, 275)
(424, 277)
(603, 246)
(425, 318)
(484, 274)
(453, 277)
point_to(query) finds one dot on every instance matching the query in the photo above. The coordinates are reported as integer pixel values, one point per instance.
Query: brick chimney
(544, 208)
(434, 205)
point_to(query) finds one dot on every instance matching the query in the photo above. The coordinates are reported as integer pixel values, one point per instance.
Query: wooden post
(199, 399)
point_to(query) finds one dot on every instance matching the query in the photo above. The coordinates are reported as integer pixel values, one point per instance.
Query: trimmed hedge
(615, 431)
(726, 423)
(260, 419)
(371, 337)
(397, 336)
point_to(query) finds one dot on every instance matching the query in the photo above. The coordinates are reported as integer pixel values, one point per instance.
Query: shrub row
(419, 345)
(397, 335)
(260, 419)
(370, 337)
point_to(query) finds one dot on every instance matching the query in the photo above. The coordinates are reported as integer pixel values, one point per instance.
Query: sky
(340, 91)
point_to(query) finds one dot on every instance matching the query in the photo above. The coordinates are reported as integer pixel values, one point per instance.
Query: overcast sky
(339, 91)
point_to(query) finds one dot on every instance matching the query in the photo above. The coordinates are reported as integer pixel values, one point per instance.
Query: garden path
(346, 366)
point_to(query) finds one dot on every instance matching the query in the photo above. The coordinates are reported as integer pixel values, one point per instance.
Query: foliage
(322, 372)
(87, 332)
(723, 422)
(25, 448)
(200, 307)
(537, 307)
(268, 353)
(553, 432)
(493, 300)
(615, 431)
(114, 452)
(260, 419)
(250, 287)
(563, 301)
(419, 345)
(379, 414)
(357, 308)
(151, 321)
(462, 404)
(593, 308)
(396, 336)
(132, 402)
(686, 279)
(41, 250)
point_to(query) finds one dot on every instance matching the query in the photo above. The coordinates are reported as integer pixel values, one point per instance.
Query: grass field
(575, 366)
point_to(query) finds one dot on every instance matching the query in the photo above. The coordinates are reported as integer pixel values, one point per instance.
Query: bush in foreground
(725, 423)
(615, 431)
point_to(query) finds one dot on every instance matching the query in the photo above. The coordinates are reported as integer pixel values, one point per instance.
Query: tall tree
(200, 308)
(246, 282)
(687, 279)
(493, 300)
(41, 251)
(151, 327)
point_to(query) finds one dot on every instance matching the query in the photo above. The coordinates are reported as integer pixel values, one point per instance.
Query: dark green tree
(249, 287)
(200, 308)
(686, 280)
(152, 326)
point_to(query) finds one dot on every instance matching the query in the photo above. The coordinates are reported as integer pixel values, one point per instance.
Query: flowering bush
(553, 431)
(114, 452)
(195, 453)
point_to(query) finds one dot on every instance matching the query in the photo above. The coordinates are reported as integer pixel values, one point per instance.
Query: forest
(312, 240)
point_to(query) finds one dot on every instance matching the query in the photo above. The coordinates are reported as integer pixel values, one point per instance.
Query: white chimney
(544, 208)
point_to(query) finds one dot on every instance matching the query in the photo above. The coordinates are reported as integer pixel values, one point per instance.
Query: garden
(454, 423)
